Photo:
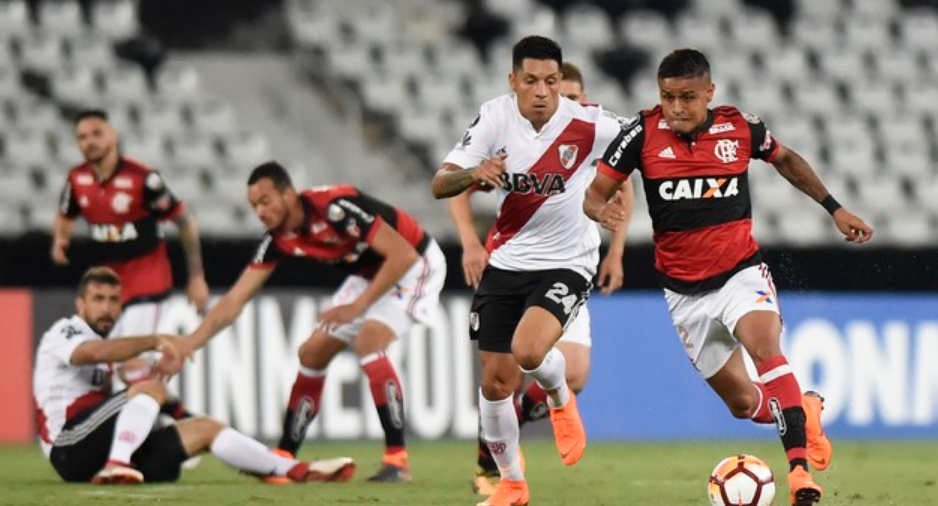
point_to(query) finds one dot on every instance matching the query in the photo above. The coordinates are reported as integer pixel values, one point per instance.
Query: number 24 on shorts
(559, 294)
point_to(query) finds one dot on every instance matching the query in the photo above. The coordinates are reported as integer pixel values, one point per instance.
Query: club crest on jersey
(700, 188)
(726, 150)
(120, 203)
(568, 154)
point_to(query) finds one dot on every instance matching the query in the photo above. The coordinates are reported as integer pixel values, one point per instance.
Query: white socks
(133, 426)
(501, 432)
(551, 376)
(241, 452)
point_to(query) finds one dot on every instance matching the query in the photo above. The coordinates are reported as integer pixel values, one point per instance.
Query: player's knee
(153, 388)
(496, 390)
(528, 355)
(309, 356)
(742, 406)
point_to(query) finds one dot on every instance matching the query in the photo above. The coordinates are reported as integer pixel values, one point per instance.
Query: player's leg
(370, 346)
(131, 429)
(315, 354)
(499, 423)
(203, 434)
(81, 449)
(552, 304)
(743, 397)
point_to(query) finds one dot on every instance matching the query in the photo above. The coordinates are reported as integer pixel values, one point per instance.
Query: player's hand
(611, 274)
(197, 292)
(853, 228)
(172, 356)
(489, 173)
(613, 214)
(338, 315)
(474, 260)
(60, 251)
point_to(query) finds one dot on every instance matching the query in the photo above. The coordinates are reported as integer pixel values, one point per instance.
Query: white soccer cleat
(118, 475)
(335, 470)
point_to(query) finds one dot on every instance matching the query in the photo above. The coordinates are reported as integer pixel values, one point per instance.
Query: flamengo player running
(90, 434)
(396, 272)
(694, 162)
(534, 148)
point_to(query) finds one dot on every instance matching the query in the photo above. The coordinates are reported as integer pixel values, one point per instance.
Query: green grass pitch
(610, 474)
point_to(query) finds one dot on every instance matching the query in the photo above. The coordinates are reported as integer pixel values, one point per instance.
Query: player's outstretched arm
(119, 350)
(399, 257)
(62, 230)
(197, 288)
(799, 173)
(474, 255)
(228, 308)
(611, 214)
(452, 179)
(611, 271)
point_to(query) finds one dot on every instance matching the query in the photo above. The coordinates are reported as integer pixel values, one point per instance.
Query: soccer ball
(741, 480)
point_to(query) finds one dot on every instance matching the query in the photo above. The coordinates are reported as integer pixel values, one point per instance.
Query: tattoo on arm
(451, 180)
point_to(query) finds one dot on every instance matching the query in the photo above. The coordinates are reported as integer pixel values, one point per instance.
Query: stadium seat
(188, 185)
(403, 60)
(646, 29)
(144, 146)
(897, 64)
(35, 114)
(218, 220)
(913, 229)
(455, 59)
(753, 28)
(66, 149)
(516, 9)
(883, 193)
(91, 51)
(41, 213)
(817, 96)
(351, 61)
(125, 82)
(311, 26)
(41, 52)
(845, 64)
(540, 19)
(732, 65)
(14, 17)
(10, 86)
(444, 92)
(918, 29)
(698, 30)
(815, 33)
(194, 151)
(11, 218)
(874, 97)
(213, 116)
(825, 11)
(74, 86)
(420, 126)
(177, 82)
(385, 96)
(18, 187)
(864, 32)
(62, 17)
(588, 25)
(377, 24)
(115, 19)
(877, 9)
(804, 227)
(764, 97)
(245, 149)
(160, 116)
(920, 97)
(7, 60)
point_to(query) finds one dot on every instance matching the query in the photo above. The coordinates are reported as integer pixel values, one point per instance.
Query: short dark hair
(572, 73)
(90, 113)
(684, 63)
(273, 171)
(98, 275)
(536, 47)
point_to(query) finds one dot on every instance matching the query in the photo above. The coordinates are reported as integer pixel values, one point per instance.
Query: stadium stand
(844, 82)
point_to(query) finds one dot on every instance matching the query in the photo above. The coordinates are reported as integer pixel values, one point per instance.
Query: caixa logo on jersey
(538, 184)
(108, 232)
(699, 188)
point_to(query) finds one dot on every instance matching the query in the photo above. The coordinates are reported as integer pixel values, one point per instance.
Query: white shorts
(705, 322)
(415, 298)
(578, 330)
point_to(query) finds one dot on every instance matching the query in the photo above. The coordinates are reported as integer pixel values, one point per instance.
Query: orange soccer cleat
(394, 469)
(802, 491)
(819, 446)
(508, 493)
(568, 432)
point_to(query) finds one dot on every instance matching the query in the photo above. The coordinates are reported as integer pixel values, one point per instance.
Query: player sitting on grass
(88, 433)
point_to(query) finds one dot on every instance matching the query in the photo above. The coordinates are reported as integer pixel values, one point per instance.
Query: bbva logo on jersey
(699, 188)
(539, 184)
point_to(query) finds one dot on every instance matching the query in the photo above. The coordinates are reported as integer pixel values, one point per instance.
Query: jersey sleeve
(764, 146)
(65, 339)
(267, 254)
(624, 153)
(68, 204)
(608, 127)
(356, 216)
(159, 199)
(477, 144)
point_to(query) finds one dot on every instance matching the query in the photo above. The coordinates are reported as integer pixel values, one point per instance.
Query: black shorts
(503, 297)
(82, 448)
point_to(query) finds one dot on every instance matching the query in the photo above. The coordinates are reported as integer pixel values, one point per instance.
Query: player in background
(396, 272)
(90, 434)
(576, 341)
(124, 202)
(694, 162)
(535, 149)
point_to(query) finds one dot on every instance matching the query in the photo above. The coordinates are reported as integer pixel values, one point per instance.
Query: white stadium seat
(14, 17)
(116, 19)
(61, 17)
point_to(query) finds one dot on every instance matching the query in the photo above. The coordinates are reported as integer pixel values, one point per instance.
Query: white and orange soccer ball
(741, 480)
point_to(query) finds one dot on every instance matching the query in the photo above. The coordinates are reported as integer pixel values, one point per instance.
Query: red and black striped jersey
(339, 223)
(122, 211)
(697, 190)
